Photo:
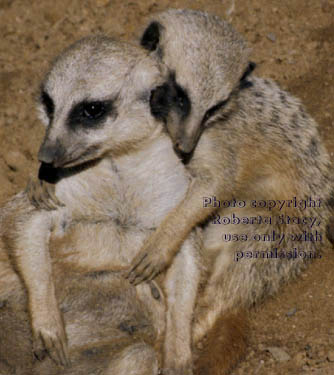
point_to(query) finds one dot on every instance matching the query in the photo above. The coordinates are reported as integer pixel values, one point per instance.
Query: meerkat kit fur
(118, 176)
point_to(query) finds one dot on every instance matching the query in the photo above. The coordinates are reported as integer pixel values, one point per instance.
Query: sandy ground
(293, 42)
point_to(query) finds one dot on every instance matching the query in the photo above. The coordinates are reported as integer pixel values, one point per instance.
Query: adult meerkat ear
(151, 36)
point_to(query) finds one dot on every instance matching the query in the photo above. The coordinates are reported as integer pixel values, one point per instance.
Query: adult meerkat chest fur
(94, 191)
(140, 187)
(153, 179)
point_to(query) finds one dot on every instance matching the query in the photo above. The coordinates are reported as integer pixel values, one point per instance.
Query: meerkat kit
(141, 143)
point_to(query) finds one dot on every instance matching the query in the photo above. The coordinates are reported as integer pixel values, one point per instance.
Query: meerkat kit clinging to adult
(118, 176)
(244, 140)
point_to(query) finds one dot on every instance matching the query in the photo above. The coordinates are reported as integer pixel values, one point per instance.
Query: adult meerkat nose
(51, 152)
(47, 154)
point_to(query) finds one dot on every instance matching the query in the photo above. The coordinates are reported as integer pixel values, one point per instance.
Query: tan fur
(117, 180)
(259, 145)
(223, 346)
(104, 320)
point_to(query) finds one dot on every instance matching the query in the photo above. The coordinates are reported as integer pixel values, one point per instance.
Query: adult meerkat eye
(90, 114)
(181, 101)
(94, 110)
(48, 104)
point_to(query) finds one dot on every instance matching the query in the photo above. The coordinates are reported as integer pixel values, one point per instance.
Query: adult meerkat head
(96, 100)
(206, 58)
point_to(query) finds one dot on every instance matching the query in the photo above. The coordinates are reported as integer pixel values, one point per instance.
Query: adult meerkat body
(243, 138)
(118, 177)
(109, 324)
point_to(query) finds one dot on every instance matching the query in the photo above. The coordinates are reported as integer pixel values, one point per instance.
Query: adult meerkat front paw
(41, 195)
(49, 336)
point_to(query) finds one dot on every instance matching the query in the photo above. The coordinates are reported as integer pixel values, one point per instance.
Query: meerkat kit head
(207, 60)
(96, 101)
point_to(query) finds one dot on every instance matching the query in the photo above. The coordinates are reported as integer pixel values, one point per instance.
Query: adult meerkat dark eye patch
(89, 114)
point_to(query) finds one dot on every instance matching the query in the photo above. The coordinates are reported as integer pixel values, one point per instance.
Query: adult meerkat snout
(202, 85)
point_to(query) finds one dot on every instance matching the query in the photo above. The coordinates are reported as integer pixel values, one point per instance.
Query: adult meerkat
(116, 171)
(243, 138)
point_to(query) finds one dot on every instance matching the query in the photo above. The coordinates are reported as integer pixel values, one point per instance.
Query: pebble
(300, 359)
(272, 37)
(102, 3)
(330, 356)
(262, 347)
(318, 340)
(14, 159)
(307, 347)
(291, 312)
(279, 354)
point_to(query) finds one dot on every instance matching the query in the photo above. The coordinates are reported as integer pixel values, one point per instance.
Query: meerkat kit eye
(181, 101)
(244, 83)
(47, 103)
(160, 102)
(179, 97)
(89, 114)
(211, 111)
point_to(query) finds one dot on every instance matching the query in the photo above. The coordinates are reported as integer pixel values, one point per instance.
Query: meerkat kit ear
(151, 36)
(243, 80)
